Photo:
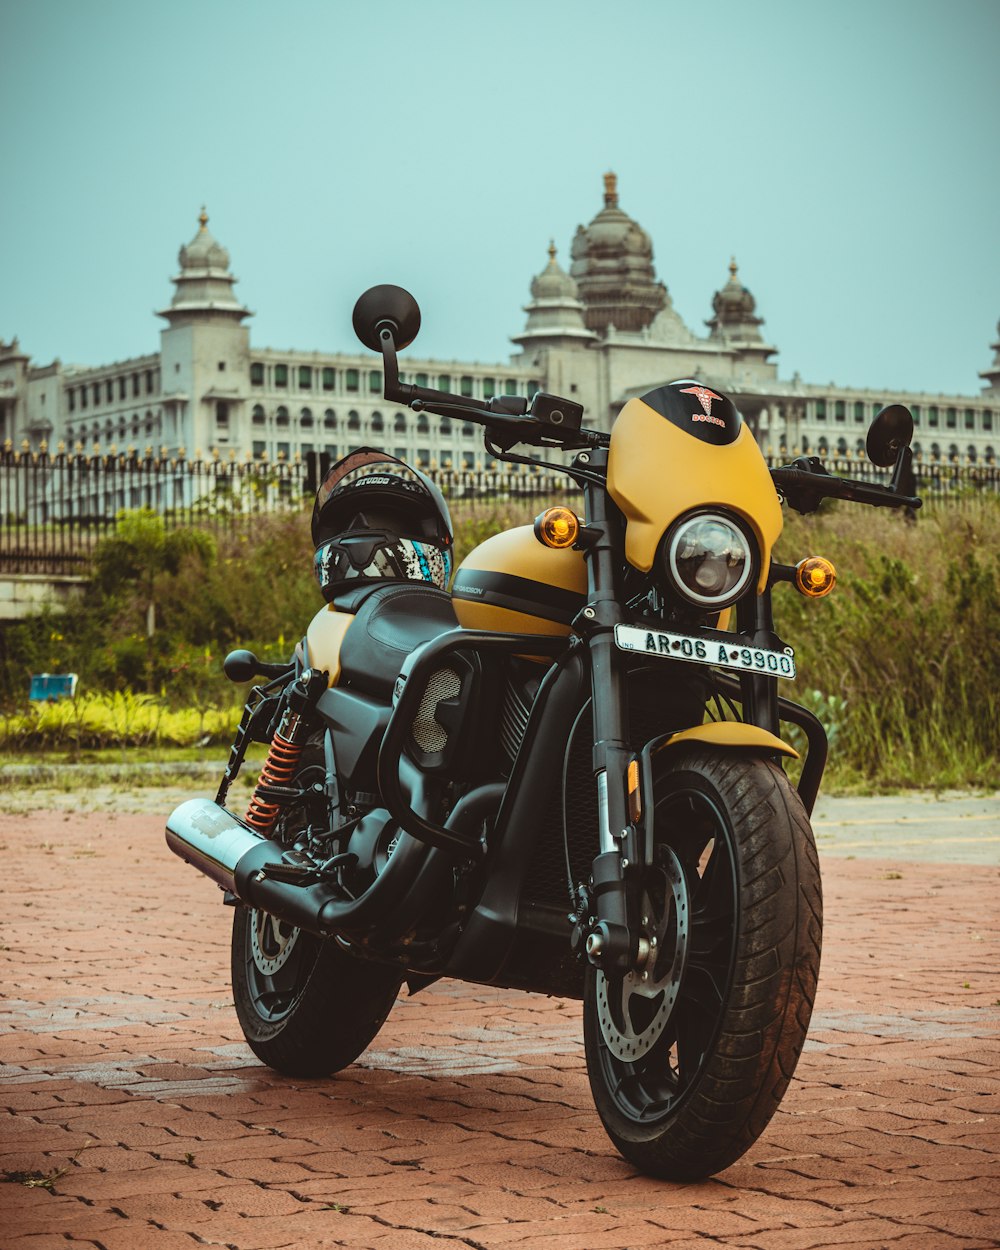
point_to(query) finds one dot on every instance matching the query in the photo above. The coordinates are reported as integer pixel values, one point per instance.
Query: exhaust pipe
(219, 845)
(204, 834)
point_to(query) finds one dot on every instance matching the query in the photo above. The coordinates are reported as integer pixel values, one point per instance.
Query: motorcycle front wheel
(689, 1057)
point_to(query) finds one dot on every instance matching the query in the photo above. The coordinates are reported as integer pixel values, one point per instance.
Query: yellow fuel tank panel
(324, 638)
(513, 584)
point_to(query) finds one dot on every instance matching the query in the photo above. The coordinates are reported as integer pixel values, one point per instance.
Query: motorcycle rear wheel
(688, 1066)
(306, 1006)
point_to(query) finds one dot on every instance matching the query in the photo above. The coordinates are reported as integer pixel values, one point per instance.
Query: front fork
(609, 931)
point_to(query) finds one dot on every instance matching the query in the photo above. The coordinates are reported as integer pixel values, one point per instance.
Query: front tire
(688, 1062)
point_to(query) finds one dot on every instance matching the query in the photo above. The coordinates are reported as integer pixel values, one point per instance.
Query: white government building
(603, 332)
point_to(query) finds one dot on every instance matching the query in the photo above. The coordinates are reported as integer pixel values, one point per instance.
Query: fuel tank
(512, 584)
(324, 638)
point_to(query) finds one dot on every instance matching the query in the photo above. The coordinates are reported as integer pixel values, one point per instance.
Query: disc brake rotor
(271, 941)
(622, 1000)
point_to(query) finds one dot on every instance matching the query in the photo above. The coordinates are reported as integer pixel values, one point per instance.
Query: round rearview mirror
(386, 306)
(890, 432)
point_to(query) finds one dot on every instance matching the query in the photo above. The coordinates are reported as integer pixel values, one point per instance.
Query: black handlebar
(805, 482)
(549, 420)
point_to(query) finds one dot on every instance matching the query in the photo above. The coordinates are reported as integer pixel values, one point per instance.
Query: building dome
(735, 311)
(555, 313)
(203, 252)
(204, 286)
(613, 268)
(553, 282)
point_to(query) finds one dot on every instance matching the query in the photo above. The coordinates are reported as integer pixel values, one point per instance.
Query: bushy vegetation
(900, 662)
(902, 659)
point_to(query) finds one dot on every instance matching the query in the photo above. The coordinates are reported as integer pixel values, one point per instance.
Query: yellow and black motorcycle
(563, 776)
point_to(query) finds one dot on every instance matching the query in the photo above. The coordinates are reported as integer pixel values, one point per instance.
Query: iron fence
(55, 508)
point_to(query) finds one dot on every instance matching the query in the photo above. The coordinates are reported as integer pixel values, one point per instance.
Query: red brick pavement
(469, 1123)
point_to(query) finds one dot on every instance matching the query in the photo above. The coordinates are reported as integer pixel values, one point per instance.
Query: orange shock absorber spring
(279, 770)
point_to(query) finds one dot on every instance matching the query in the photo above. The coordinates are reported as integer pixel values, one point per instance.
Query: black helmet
(376, 517)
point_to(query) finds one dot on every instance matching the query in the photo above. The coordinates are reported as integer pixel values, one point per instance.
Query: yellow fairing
(324, 638)
(512, 584)
(657, 471)
(727, 733)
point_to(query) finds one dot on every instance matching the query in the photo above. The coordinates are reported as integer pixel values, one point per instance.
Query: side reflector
(815, 577)
(557, 527)
(634, 794)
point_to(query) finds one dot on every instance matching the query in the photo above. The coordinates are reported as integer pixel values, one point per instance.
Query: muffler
(212, 839)
(218, 844)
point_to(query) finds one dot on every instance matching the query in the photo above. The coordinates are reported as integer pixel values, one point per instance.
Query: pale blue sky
(847, 153)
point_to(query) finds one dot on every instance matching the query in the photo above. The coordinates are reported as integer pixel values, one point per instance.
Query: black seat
(391, 621)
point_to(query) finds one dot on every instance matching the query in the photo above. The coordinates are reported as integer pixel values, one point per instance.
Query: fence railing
(55, 508)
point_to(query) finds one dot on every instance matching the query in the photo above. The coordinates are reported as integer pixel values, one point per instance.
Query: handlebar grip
(804, 488)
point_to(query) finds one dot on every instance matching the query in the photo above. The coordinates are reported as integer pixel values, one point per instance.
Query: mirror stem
(902, 481)
(391, 388)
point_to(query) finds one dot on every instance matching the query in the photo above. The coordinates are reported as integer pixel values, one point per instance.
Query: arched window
(953, 453)
(353, 420)
(805, 446)
(399, 423)
(423, 425)
(859, 446)
(935, 451)
(841, 446)
(257, 416)
(989, 455)
(970, 451)
(281, 416)
(917, 449)
(306, 419)
(824, 446)
(329, 419)
(377, 423)
(444, 426)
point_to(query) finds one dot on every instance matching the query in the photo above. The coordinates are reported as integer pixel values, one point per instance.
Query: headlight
(709, 559)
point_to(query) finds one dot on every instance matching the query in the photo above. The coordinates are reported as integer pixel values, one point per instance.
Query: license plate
(698, 649)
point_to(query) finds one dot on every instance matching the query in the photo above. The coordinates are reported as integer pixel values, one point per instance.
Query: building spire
(203, 218)
(610, 190)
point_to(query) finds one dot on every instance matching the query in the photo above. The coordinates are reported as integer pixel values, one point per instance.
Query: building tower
(205, 350)
(991, 376)
(555, 312)
(735, 324)
(613, 268)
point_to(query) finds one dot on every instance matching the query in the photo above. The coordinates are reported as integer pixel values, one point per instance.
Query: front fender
(727, 733)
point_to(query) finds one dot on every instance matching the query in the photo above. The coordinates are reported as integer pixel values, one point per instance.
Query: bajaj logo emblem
(704, 397)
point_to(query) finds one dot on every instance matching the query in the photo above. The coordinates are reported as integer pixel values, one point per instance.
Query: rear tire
(688, 1067)
(306, 1006)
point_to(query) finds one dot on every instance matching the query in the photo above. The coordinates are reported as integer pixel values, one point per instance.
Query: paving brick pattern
(124, 1078)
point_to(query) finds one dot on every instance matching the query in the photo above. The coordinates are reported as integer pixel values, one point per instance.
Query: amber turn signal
(815, 577)
(557, 527)
(634, 793)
